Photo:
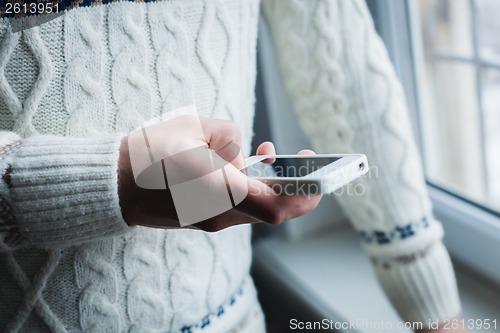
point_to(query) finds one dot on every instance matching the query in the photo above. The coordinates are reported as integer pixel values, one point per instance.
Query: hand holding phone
(154, 205)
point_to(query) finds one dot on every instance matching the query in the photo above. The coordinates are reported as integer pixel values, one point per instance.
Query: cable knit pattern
(23, 124)
(97, 280)
(169, 37)
(23, 111)
(33, 289)
(84, 97)
(145, 302)
(9, 43)
(249, 13)
(70, 88)
(128, 45)
(182, 288)
(218, 71)
(348, 99)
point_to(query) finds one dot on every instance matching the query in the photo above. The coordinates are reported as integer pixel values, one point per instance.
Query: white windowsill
(333, 278)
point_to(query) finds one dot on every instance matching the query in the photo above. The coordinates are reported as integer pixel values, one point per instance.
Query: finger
(263, 203)
(306, 152)
(267, 148)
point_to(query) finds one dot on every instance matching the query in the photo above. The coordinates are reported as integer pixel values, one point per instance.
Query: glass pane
(451, 128)
(446, 27)
(461, 116)
(491, 104)
(488, 29)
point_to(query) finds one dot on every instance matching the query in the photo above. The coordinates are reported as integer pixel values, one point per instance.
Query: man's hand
(155, 208)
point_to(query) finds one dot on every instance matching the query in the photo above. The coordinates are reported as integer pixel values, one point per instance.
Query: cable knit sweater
(72, 87)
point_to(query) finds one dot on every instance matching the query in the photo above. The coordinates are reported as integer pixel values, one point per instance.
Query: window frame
(472, 231)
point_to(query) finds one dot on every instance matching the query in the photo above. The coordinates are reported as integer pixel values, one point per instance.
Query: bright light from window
(460, 96)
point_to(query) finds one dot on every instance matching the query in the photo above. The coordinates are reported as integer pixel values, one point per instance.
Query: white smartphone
(306, 174)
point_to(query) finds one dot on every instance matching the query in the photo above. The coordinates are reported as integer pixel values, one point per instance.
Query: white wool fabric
(71, 88)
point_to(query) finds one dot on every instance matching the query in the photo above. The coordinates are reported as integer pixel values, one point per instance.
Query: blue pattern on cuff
(384, 237)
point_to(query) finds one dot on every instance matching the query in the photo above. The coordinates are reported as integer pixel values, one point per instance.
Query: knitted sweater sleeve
(58, 191)
(348, 99)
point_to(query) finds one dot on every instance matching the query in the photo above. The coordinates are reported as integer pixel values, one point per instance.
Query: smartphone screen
(289, 166)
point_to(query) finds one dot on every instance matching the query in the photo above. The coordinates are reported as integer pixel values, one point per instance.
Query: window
(460, 96)
(447, 57)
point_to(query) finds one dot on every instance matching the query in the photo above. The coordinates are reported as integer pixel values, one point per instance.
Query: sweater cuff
(422, 287)
(64, 190)
(402, 240)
